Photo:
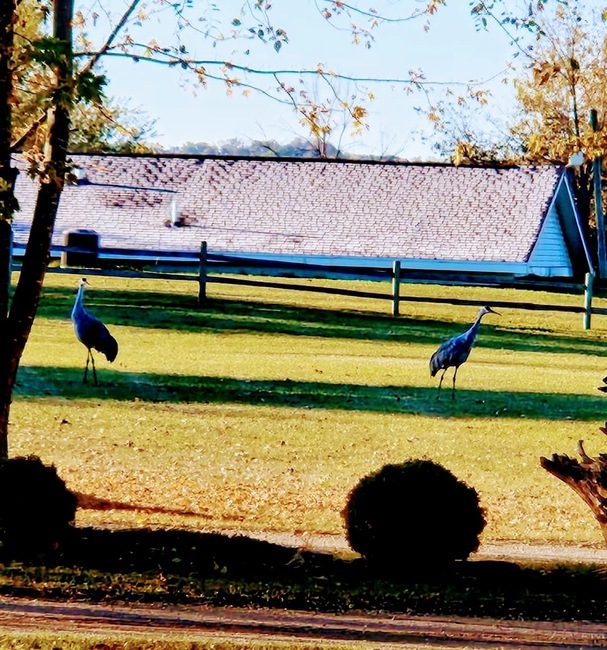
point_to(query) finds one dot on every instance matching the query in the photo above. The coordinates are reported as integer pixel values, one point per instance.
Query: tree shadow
(182, 552)
(181, 312)
(46, 381)
(91, 502)
(236, 570)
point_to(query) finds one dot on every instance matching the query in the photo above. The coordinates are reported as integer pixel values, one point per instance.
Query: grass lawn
(261, 411)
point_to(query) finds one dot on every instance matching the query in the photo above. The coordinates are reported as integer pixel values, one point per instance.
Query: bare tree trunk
(587, 477)
(18, 324)
(7, 173)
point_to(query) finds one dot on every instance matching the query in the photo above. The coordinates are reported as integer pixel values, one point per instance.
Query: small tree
(416, 513)
(36, 509)
(17, 315)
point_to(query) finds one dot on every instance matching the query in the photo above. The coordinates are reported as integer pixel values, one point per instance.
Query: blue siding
(550, 256)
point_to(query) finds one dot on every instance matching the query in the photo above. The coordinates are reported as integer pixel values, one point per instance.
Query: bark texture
(586, 476)
(17, 315)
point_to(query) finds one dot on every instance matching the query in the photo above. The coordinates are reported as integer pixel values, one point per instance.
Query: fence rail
(204, 267)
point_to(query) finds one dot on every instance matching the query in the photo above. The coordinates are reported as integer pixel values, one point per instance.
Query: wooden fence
(205, 267)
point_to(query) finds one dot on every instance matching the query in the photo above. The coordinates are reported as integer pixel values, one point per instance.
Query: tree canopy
(558, 73)
(100, 124)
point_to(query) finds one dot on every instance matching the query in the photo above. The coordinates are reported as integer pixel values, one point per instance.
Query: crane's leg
(453, 389)
(440, 383)
(86, 368)
(94, 371)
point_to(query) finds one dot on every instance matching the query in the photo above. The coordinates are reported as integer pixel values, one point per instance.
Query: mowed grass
(125, 641)
(261, 411)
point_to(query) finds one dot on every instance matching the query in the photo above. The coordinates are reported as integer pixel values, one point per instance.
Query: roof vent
(80, 176)
(176, 220)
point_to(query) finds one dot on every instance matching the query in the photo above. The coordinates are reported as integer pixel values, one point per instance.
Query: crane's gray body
(92, 333)
(456, 350)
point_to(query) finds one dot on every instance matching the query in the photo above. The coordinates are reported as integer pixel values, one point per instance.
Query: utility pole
(597, 165)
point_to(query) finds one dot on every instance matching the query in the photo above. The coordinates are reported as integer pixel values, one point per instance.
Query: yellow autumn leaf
(78, 19)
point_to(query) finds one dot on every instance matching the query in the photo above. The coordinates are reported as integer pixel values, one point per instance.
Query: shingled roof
(304, 208)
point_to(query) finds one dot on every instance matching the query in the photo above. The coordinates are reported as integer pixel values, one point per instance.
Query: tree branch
(586, 478)
(372, 14)
(17, 144)
(165, 58)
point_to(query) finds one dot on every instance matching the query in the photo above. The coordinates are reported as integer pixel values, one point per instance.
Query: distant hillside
(297, 148)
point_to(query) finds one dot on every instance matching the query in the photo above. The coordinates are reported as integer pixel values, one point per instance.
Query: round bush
(36, 508)
(412, 514)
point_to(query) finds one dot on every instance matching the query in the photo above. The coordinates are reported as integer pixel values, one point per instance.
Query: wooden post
(395, 287)
(597, 164)
(588, 282)
(202, 275)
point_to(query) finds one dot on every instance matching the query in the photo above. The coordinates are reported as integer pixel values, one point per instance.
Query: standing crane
(456, 350)
(92, 333)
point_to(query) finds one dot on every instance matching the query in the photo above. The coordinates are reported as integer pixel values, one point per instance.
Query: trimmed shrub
(413, 514)
(36, 508)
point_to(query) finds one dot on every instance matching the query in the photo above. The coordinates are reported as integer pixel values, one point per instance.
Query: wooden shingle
(310, 209)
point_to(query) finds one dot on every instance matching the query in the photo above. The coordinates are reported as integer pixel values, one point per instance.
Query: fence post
(395, 287)
(202, 275)
(588, 282)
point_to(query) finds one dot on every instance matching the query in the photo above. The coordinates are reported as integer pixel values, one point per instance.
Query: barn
(435, 219)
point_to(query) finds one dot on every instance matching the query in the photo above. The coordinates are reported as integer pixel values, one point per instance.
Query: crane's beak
(493, 311)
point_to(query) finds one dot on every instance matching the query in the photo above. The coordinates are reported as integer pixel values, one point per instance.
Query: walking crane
(92, 333)
(455, 351)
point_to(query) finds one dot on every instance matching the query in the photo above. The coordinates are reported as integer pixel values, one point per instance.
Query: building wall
(550, 256)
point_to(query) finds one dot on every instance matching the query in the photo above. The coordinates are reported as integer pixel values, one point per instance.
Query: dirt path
(196, 623)
(506, 551)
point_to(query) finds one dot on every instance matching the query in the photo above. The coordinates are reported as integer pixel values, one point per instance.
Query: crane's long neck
(473, 331)
(78, 307)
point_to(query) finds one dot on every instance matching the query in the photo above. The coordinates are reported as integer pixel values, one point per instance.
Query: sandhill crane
(92, 333)
(456, 350)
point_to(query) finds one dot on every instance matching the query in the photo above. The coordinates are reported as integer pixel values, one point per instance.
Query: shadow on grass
(91, 502)
(178, 566)
(178, 312)
(44, 381)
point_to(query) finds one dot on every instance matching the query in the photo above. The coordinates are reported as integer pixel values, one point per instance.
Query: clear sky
(450, 51)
